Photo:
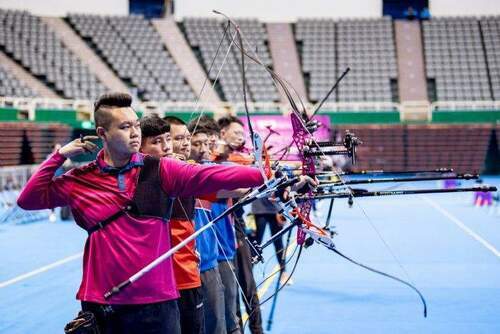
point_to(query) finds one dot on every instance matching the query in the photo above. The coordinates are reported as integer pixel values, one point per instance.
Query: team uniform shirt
(224, 230)
(114, 253)
(186, 260)
(225, 227)
(206, 242)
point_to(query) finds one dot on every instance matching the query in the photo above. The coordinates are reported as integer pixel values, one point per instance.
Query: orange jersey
(236, 157)
(240, 158)
(186, 260)
(246, 159)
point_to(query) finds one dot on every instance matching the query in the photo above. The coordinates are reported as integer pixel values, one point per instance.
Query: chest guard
(149, 199)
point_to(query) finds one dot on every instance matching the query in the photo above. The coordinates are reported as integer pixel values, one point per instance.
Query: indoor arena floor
(447, 248)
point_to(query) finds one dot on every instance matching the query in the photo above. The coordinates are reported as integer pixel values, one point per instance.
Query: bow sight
(347, 147)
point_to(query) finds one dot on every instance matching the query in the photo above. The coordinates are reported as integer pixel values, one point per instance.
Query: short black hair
(173, 120)
(153, 125)
(224, 122)
(203, 124)
(193, 130)
(107, 101)
(210, 123)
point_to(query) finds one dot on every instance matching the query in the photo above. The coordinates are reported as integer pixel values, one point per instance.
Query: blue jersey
(225, 232)
(206, 242)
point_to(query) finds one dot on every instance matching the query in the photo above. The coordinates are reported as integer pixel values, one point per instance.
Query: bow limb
(198, 98)
(277, 79)
(256, 139)
(257, 142)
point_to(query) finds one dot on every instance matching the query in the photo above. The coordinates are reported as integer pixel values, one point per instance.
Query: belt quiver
(84, 323)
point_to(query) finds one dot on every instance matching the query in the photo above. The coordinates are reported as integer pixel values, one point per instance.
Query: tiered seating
(33, 45)
(455, 58)
(490, 27)
(40, 141)
(10, 86)
(383, 146)
(204, 36)
(430, 147)
(133, 49)
(366, 46)
(318, 54)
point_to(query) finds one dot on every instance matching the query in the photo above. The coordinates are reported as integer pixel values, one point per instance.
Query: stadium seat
(133, 49)
(35, 46)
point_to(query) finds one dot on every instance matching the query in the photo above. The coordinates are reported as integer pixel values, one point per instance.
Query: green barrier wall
(188, 116)
(362, 117)
(263, 112)
(465, 116)
(70, 117)
(8, 114)
(65, 116)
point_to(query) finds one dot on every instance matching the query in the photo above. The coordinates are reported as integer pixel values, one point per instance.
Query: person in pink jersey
(120, 200)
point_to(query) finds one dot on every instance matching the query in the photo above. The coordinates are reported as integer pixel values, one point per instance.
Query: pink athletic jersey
(114, 253)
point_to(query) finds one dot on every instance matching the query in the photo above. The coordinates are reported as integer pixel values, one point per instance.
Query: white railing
(188, 107)
(28, 105)
(361, 106)
(465, 105)
(155, 106)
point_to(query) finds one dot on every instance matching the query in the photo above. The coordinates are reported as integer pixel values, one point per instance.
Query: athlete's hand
(79, 146)
(305, 183)
(222, 147)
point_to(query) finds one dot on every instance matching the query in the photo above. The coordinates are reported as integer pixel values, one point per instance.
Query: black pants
(191, 311)
(247, 281)
(261, 220)
(156, 318)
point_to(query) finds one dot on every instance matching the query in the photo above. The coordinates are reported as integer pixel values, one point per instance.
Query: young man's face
(213, 138)
(123, 135)
(200, 147)
(157, 146)
(181, 140)
(233, 135)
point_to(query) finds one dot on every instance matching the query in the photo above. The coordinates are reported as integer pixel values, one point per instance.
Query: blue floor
(406, 236)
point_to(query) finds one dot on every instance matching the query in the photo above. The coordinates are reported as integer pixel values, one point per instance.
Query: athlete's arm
(43, 191)
(181, 179)
(236, 193)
